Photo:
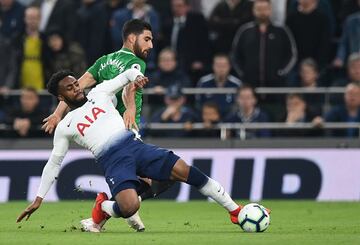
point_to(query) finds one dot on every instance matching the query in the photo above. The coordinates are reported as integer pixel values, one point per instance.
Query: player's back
(95, 125)
(109, 66)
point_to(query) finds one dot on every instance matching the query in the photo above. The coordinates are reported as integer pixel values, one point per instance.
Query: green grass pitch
(168, 222)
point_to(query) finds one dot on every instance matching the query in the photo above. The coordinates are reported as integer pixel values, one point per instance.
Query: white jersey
(95, 126)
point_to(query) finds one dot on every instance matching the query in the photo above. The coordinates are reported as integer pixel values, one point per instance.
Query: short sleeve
(137, 64)
(94, 69)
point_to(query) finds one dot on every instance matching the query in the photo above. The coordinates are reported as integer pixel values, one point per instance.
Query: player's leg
(161, 164)
(147, 189)
(119, 167)
(125, 205)
(152, 188)
(206, 186)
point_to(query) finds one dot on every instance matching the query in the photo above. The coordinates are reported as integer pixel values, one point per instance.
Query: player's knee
(129, 208)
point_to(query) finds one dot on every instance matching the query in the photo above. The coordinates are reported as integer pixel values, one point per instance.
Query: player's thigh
(154, 162)
(120, 171)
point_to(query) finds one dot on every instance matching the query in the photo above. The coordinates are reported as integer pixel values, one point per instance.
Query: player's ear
(132, 38)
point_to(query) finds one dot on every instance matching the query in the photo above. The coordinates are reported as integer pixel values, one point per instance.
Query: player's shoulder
(136, 61)
(63, 124)
(97, 92)
(102, 58)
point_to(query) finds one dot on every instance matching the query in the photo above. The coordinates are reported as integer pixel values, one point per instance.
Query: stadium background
(299, 151)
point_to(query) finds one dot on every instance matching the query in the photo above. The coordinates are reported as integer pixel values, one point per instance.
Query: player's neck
(127, 46)
(76, 104)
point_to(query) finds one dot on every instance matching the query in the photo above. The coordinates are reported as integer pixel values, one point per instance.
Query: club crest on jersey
(136, 66)
(90, 120)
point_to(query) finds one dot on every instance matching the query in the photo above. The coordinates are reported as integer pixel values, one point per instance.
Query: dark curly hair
(53, 84)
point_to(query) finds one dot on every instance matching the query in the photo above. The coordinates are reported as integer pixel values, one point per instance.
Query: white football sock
(107, 207)
(214, 190)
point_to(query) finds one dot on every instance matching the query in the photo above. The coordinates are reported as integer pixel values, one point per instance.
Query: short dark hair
(134, 26)
(53, 84)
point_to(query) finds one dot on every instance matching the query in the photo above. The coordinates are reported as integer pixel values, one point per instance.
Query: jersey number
(82, 126)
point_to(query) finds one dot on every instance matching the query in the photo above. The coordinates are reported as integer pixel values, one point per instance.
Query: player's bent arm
(52, 121)
(114, 85)
(52, 167)
(87, 80)
(128, 97)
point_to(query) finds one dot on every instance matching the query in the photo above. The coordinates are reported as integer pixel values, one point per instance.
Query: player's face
(70, 92)
(143, 44)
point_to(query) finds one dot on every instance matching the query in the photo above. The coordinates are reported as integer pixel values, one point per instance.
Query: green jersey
(109, 66)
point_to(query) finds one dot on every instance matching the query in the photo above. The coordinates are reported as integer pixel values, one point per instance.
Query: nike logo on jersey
(69, 123)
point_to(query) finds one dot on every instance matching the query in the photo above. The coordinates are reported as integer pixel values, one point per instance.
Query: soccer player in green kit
(137, 38)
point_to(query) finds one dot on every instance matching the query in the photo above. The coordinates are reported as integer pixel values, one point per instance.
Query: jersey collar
(126, 51)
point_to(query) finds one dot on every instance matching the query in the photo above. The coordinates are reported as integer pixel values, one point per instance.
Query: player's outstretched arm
(128, 98)
(87, 80)
(116, 84)
(49, 174)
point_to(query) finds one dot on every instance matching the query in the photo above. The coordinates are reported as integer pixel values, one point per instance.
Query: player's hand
(30, 209)
(129, 119)
(50, 123)
(140, 81)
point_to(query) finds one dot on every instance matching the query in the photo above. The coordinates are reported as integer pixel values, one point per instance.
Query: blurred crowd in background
(239, 44)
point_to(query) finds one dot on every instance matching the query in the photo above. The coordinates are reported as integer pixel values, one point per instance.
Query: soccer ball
(254, 218)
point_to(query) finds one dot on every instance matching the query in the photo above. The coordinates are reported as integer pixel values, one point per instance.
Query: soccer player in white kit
(95, 124)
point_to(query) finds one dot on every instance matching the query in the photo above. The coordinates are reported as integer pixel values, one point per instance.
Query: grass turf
(167, 222)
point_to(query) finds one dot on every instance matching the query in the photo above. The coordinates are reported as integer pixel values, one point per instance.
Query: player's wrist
(38, 200)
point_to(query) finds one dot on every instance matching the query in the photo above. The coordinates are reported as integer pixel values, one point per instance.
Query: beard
(139, 53)
(73, 103)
